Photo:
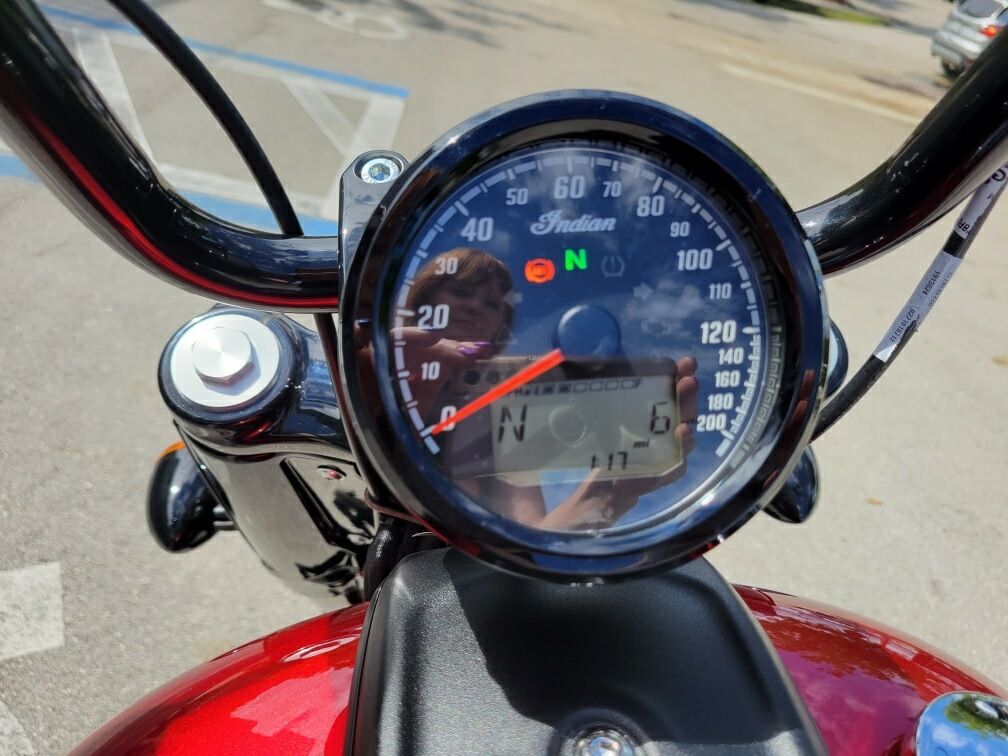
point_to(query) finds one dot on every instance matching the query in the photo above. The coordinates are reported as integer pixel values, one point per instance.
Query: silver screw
(379, 170)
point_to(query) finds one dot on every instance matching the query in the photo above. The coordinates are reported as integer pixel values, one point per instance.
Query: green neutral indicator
(575, 259)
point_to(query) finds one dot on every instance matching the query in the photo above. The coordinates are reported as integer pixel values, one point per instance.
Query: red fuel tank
(864, 684)
(288, 693)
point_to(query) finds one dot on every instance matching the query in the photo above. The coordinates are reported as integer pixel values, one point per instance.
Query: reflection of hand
(452, 357)
(598, 503)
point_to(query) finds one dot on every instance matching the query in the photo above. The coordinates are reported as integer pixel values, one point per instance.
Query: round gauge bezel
(401, 470)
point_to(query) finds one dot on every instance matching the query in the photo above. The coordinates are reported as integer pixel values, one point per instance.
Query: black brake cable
(184, 60)
(930, 287)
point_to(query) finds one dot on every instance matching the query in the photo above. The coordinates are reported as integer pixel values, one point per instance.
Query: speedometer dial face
(583, 336)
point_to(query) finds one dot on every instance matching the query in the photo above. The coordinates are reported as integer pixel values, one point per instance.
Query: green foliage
(964, 712)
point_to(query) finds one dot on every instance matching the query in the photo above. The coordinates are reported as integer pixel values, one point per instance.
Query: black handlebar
(957, 146)
(57, 120)
(53, 115)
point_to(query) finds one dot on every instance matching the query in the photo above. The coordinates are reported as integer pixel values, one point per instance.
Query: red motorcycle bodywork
(288, 693)
(864, 684)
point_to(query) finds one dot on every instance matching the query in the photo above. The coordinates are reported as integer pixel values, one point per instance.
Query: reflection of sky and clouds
(631, 272)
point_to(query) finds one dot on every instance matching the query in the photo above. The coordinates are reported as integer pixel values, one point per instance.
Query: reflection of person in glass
(463, 316)
(473, 287)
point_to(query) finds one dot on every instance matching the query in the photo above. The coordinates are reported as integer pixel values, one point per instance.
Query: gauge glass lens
(583, 336)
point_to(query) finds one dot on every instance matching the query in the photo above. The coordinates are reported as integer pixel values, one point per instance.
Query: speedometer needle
(544, 364)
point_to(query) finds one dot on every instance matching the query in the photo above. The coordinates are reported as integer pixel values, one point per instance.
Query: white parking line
(13, 739)
(318, 92)
(94, 51)
(195, 180)
(376, 129)
(822, 94)
(323, 111)
(31, 610)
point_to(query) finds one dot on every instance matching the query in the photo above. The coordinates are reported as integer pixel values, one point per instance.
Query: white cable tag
(982, 198)
(920, 303)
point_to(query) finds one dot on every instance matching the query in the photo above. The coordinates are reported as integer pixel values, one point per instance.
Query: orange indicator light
(539, 270)
(177, 446)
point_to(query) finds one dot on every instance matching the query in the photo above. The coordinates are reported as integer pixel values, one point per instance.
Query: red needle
(544, 364)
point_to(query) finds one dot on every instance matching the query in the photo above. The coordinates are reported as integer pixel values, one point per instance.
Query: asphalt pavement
(911, 526)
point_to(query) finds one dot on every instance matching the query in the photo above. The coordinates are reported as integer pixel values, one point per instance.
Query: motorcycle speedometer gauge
(583, 338)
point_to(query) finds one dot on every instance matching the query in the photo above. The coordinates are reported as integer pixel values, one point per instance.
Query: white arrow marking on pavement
(31, 610)
(13, 739)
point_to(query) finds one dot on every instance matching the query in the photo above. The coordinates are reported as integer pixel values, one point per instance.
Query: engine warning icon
(539, 270)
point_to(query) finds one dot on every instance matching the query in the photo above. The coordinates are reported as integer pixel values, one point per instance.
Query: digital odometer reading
(590, 265)
(625, 427)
